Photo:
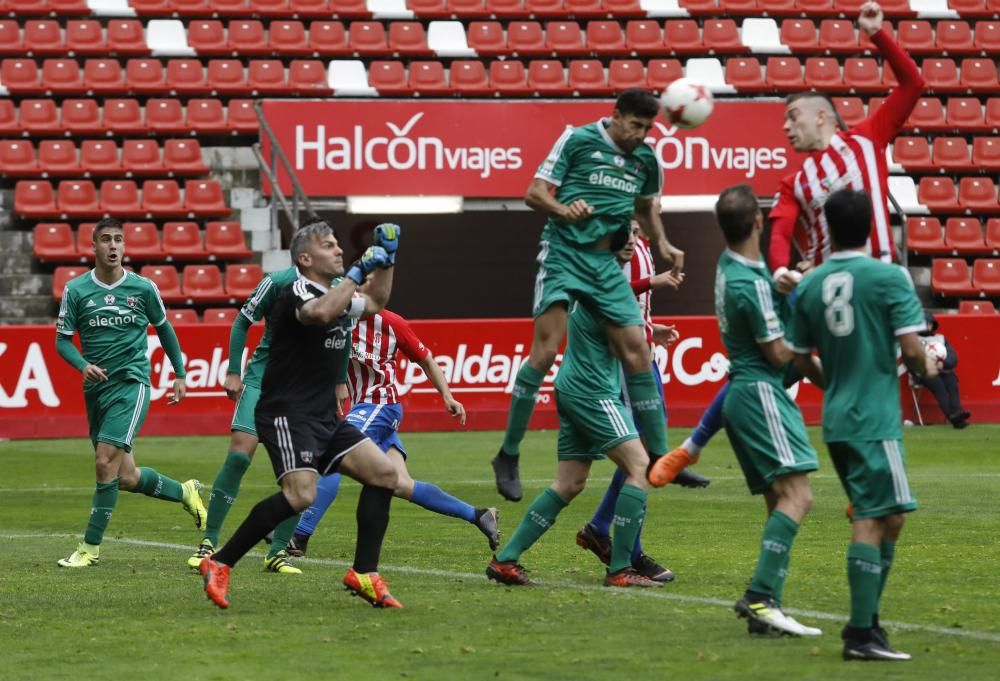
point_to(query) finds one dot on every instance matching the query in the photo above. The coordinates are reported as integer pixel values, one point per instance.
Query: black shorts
(300, 444)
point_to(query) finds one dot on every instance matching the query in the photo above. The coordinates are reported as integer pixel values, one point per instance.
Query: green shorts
(593, 277)
(246, 405)
(873, 473)
(115, 412)
(766, 431)
(589, 427)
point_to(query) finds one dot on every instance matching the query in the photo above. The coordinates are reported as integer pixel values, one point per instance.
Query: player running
(590, 185)
(111, 309)
(856, 312)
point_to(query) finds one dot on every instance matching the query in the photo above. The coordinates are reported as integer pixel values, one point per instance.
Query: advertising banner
(492, 149)
(41, 395)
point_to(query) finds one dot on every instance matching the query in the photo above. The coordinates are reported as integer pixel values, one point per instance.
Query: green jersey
(585, 163)
(112, 320)
(851, 308)
(256, 308)
(588, 368)
(747, 308)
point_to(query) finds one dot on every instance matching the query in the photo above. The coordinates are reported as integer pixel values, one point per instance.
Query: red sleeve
(641, 285)
(784, 216)
(882, 126)
(406, 340)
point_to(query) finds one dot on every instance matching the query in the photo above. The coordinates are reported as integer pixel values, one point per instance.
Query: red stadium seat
(581, 8)
(142, 157)
(146, 76)
(986, 153)
(928, 114)
(964, 236)
(308, 77)
(644, 37)
(622, 8)
(968, 8)
(682, 36)
(183, 315)
(167, 281)
(487, 38)
(227, 76)
(182, 241)
(220, 315)
(11, 43)
(62, 76)
(823, 73)
(43, 37)
(838, 36)
(58, 158)
(953, 37)
(987, 37)
(63, 275)
(208, 37)
(784, 74)
(736, 7)
(21, 76)
(546, 77)
(288, 38)
(142, 242)
(626, 73)
(161, 198)
(565, 39)
(950, 277)
(587, 78)
(349, 9)
(941, 75)
(409, 39)
(526, 38)
(862, 75)
(979, 75)
(119, 198)
(468, 77)
(127, 37)
(224, 240)
(203, 198)
(54, 242)
(952, 154)
(993, 235)
(799, 35)
(427, 78)
(978, 194)
(248, 38)
(85, 241)
(388, 77)
(78, 199)
(429, 9)
(992, 118)
(206, 117)
(468, 9)
(744, 73)
(39, 116)
(986, 276)
(241, 280)
(17, 158)
(328, 39)
(100, 157)
(662, 72)
(124, 116)
(368, 38)
(976, 307)
(606, 38)
(103, 76)
(8, 117)
(165, 116)
(924, 237)
(722, 36)
(966, 114)
(916, 36)
(508, 78)
(267, 77)
(938, 194)
(182, 157)
(851, 109)
(913, 153)
(203, 284)
(506, 8)
(186, 76)
(35, 199)
(700, 6)
(270, 8)
(545, 8)
(240, 117)
(815, 8)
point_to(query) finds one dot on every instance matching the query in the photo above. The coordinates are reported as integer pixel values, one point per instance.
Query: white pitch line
(644, 593)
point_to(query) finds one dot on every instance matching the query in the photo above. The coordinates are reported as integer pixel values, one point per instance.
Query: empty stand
(951, 277)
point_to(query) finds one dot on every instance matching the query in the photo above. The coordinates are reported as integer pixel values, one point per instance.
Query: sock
(263, 518)
(648, 409)
(637, 547)
(539, 518)
(224, 491)
(606, 511)
(710, 424)
(282, 533)
(522, 404)
(775, 545)
(864, 574)
(628, 519)
(779, 589)
(887, 549)
(152, 484)
(326, 491)
(433, 498)
(101, 507)
(373, 519)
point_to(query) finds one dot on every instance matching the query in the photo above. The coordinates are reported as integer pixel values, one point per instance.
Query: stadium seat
(9, 124)
(388, 77)
(927, 115)
(288, 39)
(851, 109)
(349, 9)
(21, 76)
(164, 116)
(586, 9)
(43, 38)
(953, 37)
(744, 73)
(738, 6)
(225, 241)
(147, 75)
(968, 8)
(182, 157)
(167, 281)
(506, 8)
(267, 77)
(978, 194)
(976, 307)
(986, 276)
(468, 9)
(916, 36)
(85, 241)
(206, 117)
(429, 9)
(964, 236)
(124, 116)
(682, 36)
(409, 39)
(241, 118)
(182, 315)
(526, 39)
(208, 38)
(270, 8)
(54, 242)
(39, 116)
(308, 77)
(784, 74)
(722, 36)
(100, 157)
(142, 157)
(862, 75)
(823, 73)
(546, 77)
(182, 241)
(980, 75)
(203, 198)
(119, 198)
(952, 154)
(142, 242)
(17, 159)
(78, 199)
(546, 9)
(938, 194)
(468, 77)
(220, 315)
(993, 235)
(626, 73)
(587, 78)
(247, 38)
(951, 277)
(799, 35)
(986, 153)
(700, 6)
(62, 76)
(941, 75)
(965, 114)
(509, 78)
(11, 43)
(241, 280)
(987, 37)
(126, 37)
(992, 117)
(367, 38)
(35, 199)
(606, 38)
(838, 36)
(63, 275)
(58, 158)
(328, 39)
(662, 72)
(564, 38)
(427, 78)
(487, 38)
(644, 37)
(226, 77)
(202, 284)
(777, 8)
(913, 153)
(924, 237)
(161, 198)
(101, 76)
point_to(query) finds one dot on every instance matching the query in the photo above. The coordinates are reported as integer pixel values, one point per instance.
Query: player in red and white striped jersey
(375, 410)
(855, 159)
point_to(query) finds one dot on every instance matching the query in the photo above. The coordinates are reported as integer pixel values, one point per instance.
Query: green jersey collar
(93, 276)
(745, 260)
(602, 128)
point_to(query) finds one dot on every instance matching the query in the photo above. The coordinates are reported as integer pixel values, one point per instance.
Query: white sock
(692, 448)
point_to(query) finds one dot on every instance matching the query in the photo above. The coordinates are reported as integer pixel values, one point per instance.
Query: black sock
(263, 518)
(373, 519)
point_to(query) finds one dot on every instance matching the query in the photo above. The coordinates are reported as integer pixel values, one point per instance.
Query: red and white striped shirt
(638, 271)
(854, 159)
(375, 341)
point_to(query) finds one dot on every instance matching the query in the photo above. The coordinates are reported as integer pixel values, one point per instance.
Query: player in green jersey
(243, 439)
(590, 185)
(593, 424)
(856, 311)
(764, 425)
(111, 310)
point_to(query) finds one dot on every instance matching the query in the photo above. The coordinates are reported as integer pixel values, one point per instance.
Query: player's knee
(569, 488)
(300, 498)
(128, 481)
(385, 476)
(893, 523)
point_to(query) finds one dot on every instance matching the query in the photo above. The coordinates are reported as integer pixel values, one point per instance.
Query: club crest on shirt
(131, 301)
(377, 338)
(619, 161)
(109, 299)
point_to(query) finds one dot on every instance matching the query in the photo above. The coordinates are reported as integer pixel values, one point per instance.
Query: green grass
(142, 613)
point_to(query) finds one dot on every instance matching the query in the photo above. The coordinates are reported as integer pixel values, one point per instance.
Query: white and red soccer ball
(936, 350)
(687, 103)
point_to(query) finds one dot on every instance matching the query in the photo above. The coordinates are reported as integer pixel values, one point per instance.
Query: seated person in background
(945, 384)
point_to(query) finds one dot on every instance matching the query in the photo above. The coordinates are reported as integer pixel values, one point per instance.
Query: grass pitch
(142, 613)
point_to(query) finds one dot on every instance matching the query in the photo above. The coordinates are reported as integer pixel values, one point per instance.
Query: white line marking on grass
(645, 593)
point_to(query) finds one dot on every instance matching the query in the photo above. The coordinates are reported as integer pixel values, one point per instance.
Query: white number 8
(838, 289)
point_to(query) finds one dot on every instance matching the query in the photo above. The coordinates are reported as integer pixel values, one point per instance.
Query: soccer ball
(687, 103)
(936, 350)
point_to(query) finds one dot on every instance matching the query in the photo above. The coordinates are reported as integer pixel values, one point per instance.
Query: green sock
(775, 547)
(152, 484)
(630, 509)
(282, 535)
(887, 549)
(522, 404)
(779, 588)
(101, 508)
(539, 518)
(224, 491)
(864, 574)
(647, 405)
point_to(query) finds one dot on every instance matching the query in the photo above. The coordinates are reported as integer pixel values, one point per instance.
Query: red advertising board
(41, 396)
(492, 149)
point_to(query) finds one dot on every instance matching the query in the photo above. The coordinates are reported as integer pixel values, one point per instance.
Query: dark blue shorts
(380, 422)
